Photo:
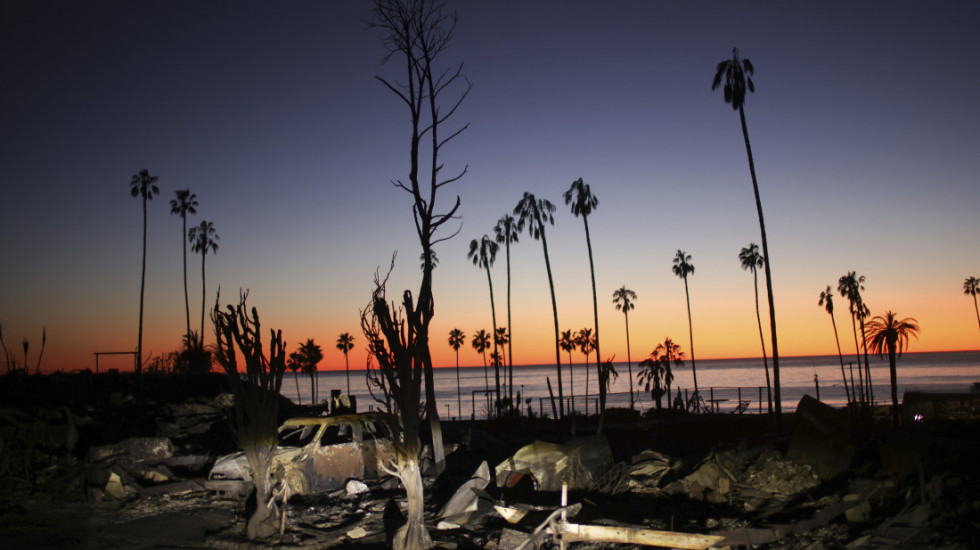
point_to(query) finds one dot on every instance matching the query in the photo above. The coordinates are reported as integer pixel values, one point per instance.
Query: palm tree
(827, 302)
(583, 202)
(889, 333)
(185, 203)
(484, 253)
(585, 341)
(501, 338)
(733, 71)
(656, 370)
(535, 214)
(971, 287)
(752, 260)
(481, 342)
(204, 238)
(568, 343)
(850, 287)
(294, 365)
(651, 376)
(142, 185)
(682, 268)
(505, 233)
(671, 354)
(624, 298)
(308, 356)
(345, 343)
(456, 340)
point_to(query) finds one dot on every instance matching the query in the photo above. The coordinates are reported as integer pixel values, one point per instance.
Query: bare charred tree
(255, 419)
(417, 32)
(394, 341)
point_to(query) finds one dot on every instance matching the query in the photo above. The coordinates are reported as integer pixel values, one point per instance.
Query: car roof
(339, 419)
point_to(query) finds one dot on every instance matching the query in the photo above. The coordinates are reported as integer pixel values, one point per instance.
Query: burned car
(314, 455)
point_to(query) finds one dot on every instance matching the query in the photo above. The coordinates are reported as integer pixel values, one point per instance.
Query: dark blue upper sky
(864, 128)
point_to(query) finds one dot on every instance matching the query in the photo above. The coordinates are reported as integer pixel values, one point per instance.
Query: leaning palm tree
(682, 268)
(752, 260)
(204, 238)
(505, 233)
(888, 333)
(971, 287)
(535, 214)
(850, 287)
(737, 76)
(484, 253)
(456, 340)
(345, 343)
(624, 298)
(827, 302)
(142, 185)
(481, 343)
(583, 202)
(184, 204)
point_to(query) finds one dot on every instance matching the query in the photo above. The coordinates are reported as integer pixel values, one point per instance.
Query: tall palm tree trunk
(893, 373)
(976, 309)
(493, 334)
(187, 303)
(629, 363)
(554, 310)
(857, 353)
(510, 335)
(762, 338)
(595, 316)
(204, 293)
(139, 344)
(459, 398)
(777, 393)
(347, 368)
(690, 334)
(867, 364)
(841, 356)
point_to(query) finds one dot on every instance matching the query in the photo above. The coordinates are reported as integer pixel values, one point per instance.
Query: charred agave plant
(393, 339)
(254, 421)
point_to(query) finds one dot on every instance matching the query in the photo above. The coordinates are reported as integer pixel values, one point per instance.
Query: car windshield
(298, 436)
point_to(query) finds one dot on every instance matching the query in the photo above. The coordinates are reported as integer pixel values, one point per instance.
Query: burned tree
(255, 419)
(417, 32)
(394, 341)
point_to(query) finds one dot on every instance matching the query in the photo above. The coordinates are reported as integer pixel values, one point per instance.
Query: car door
(338, 457)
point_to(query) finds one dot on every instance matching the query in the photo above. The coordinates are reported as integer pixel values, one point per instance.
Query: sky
(863, 128)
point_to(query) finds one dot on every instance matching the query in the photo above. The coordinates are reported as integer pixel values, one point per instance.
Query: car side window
(336, 433)
(297, 437)
(375, 430)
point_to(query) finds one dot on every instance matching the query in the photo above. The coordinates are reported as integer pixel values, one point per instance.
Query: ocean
(726, 381)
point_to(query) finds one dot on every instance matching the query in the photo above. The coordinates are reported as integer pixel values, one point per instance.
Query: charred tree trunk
(255, 418)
